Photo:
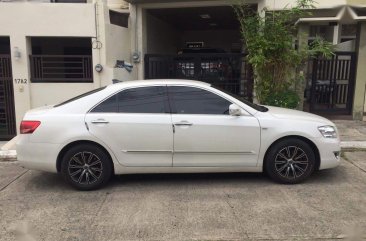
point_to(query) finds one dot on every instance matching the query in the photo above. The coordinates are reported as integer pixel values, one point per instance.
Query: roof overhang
(346, 14)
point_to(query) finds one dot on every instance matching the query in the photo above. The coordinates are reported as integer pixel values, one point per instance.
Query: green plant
(286, 99)
(269, 40)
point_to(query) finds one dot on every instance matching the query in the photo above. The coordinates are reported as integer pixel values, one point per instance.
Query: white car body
(151, 143)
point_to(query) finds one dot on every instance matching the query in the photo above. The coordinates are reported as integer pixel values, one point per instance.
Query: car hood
(283, 113)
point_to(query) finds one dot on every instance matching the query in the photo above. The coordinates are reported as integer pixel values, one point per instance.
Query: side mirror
(234, 110)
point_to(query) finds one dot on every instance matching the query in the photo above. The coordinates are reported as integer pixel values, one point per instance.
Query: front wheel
(290, 161)
(86, 167)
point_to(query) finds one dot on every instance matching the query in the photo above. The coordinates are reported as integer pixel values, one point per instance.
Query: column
(360, 81)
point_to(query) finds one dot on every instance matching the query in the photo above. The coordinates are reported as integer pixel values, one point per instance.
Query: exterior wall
(44, 18)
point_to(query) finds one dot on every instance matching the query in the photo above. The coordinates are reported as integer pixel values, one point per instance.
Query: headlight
(328, 131)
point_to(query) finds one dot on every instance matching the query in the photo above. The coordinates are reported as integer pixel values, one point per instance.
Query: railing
(225, 70)
(61, 68)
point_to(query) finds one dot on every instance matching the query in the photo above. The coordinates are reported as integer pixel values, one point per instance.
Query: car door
(205, 135)
(136, 124)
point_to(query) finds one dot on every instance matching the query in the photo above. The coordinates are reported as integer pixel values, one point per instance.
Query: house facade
(52, 50)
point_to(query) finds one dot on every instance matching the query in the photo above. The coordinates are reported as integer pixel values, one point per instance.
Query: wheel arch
(304, 139)
(79, 142)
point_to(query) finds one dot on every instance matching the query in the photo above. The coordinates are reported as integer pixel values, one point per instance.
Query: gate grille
(7, 111)
(227, 71)
(333, 83)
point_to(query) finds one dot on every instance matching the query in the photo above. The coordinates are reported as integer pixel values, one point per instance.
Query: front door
(205, 135)
(136, 124)
(7, 110)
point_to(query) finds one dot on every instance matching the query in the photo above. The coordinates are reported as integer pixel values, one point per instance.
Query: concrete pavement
(330, 206)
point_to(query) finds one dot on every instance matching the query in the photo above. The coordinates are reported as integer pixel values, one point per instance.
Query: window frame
(166, 103)
(172, 103)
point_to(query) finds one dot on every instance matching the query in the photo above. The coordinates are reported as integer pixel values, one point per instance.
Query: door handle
(183, 123)
(99, 121)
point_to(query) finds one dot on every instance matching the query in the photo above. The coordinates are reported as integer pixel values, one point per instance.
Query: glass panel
(189, 100)
(142, 100)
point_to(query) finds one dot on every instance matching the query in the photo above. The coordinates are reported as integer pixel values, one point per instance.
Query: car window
(136, 100)
(80, 96)
(191, 100)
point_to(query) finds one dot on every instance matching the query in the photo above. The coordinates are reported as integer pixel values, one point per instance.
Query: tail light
(28, 127)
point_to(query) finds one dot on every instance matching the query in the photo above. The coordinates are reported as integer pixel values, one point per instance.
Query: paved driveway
(185, 207)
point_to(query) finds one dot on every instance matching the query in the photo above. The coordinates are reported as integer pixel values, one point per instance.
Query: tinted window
(136, 100)
(189, 100)
(254, 106)
(80, 96)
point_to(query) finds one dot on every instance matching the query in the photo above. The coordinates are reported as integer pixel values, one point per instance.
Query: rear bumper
(37, 156)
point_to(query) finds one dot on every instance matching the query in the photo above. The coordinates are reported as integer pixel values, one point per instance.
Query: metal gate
(7, 111)
(227, 71)
(333, 82)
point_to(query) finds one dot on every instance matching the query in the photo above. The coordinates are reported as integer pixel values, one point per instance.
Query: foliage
(286, 99)
(269, 40)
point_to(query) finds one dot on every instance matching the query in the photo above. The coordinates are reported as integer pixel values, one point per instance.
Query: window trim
(167, 106)
(172, 104)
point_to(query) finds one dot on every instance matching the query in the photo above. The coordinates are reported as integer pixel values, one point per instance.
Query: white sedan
(172, 126)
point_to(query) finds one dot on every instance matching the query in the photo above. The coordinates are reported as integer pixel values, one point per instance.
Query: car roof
(133, 83)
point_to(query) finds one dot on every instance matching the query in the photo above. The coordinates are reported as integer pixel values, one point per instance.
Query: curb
(11, 155)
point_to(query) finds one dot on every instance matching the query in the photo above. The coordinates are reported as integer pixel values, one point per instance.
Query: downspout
(96, 44)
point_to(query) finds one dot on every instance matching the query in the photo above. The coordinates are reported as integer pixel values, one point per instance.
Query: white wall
(21, 20)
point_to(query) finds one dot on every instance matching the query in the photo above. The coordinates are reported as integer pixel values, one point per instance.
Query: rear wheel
(86, 167)
(290, 161)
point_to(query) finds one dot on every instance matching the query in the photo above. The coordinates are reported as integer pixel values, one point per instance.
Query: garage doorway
(7, 107)
(199, 43)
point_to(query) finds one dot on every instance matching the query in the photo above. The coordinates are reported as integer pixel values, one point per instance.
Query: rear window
(80, 96)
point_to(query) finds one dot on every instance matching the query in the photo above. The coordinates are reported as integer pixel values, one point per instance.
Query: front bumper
(329, 150)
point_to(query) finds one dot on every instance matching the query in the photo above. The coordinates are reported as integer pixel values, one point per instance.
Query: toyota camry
(172, 126)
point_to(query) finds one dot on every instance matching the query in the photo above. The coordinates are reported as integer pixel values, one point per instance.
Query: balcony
(61, 68)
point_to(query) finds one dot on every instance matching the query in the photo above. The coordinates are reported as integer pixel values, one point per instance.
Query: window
(119, 19)
(189, 100)
(80, 96)
(136, 100)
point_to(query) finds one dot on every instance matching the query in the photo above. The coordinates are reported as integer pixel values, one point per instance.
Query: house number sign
(21, 81)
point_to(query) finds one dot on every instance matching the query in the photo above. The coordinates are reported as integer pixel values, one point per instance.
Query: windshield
(254, 106)
(80, 96)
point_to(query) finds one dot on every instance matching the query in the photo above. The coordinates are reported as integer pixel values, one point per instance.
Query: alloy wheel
(291, 162)
(85, 168)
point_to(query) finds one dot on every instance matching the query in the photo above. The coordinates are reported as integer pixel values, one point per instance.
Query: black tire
(290, 161)
(86, 167)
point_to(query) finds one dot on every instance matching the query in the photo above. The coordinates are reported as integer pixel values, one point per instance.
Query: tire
(290, 161)
(86, 167)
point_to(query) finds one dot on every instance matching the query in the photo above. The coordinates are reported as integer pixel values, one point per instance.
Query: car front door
(136, 124)
(205, 135)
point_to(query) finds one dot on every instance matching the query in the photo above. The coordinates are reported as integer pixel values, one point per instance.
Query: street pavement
(330, 206)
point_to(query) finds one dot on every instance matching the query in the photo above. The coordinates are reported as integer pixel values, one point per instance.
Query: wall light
(98, 68)
(17, 53)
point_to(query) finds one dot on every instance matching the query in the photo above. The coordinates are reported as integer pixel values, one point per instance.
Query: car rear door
(136, 124)
(205, 135)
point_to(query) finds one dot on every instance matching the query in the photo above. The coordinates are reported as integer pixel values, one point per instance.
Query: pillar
(360, 81)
